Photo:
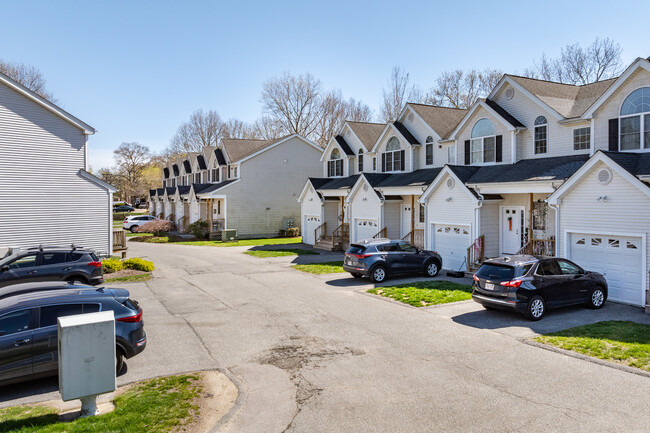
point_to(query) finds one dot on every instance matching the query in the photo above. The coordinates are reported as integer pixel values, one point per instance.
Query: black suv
(379, 258)
(50, 264)
(28, 325)
(531, 284)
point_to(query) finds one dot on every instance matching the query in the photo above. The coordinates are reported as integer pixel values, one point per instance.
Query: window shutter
(383, 162)
(613, 135)
(467, 155)
(402, 160)
(498, 154)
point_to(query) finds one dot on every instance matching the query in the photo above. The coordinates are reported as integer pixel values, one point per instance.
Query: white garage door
(619, 258)
(451, 243)
(365, 229)
(311, 223)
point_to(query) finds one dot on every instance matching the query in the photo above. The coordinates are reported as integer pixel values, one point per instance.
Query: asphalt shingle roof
(183, 189)
(199, 187)
(201, 160)
(554, 168)
(221, 159)
(166, 172)
(367, 132)
(405, 133)
(443, 120)
(344, 145)
(187, 166)
(170, 190)
(175, 168)
(504, 114)
(160, 192)
(238, 149)
(334, 183)
(216, 186)
(422, 177)
(152, 192)
(636, 164)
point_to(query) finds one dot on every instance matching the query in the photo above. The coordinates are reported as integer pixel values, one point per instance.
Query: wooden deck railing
(119, 241)
(320, 232)
(476, 253)
(383, 233)
(415, 237)
(341, 234)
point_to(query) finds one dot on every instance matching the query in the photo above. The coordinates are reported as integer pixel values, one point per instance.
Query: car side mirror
(5, 268)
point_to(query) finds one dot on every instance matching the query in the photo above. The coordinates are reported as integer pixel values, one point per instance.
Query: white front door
(512, 229)
(406, 220)
(365, 228)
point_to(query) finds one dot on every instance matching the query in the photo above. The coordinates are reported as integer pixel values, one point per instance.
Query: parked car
(533, 284)
(28, 327)
(134, 221)
(50, 264)
(123, 208)
(381, 258)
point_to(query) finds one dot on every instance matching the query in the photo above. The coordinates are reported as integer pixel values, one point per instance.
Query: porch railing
(340, 234)
(383, 233)
(539, 247)
(119, 241)
(320, 232)
(184, 222)
(415, 237)
(476, 253)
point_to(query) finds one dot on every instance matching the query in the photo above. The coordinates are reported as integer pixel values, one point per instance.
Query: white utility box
(86, 357)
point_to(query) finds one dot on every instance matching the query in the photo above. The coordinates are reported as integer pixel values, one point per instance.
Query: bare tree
(294, 101)
(398, 93)
(577, 65)
(460, 89)
(203, 129)
(235, 128)
(28, 76)
(334, 111)
(268, 128)
(131, 161)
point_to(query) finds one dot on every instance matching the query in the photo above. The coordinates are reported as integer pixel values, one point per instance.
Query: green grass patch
(127, 279)
(321, 268)
(245, 242)
(130, 235)
(281, 252)
(155, 406)
(623, 342)
(424, 293)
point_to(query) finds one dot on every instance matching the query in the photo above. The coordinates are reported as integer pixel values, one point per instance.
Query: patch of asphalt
(587, 358)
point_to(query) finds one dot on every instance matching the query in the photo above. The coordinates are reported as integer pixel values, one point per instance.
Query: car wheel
(357, 275)
(431, 269)
(596, 299)
(73, 280)
(536, 308)
(119, 360)
(378, 274)
(133, 228)
(487, 307)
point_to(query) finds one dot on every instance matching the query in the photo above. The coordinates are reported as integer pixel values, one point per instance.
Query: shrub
(138, 264)
(112, 265)
(158, 227)
(121, 216)
(199, 229)
(293, 232)
(282, 233)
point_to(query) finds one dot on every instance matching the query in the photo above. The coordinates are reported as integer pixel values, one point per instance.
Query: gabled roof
(238, 149)
(405, 133)
(344, 145)
(216, 186)
(87, 129)
(94, 179)
(442, 120)
(368, 133)
(421, 178)
(317, 182)
(539, 169)
(188, 166)
(199, 187)
(170, 190)
(152, 192)
(166, 172)
(175, 169)
(183, 189)
(637, 164)
(200, 159)
(160, 192)
(494, 109)
(221, 159)
(334, 183)
(504, 114)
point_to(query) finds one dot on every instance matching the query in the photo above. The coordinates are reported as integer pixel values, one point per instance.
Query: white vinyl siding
(465, 134)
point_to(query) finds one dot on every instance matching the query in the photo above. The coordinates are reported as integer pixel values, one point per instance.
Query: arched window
(483, 142)
(335, 164)
(429, 150)
(540, 135)
(360, 160)
(635, 120)
(393, 157)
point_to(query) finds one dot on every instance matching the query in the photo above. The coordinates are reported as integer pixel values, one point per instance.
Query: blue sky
(136, 70)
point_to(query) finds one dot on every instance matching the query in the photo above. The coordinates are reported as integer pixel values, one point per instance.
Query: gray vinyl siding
(43, 199)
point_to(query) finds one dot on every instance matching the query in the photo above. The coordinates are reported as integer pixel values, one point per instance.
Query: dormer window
(540, 135)
(335, 164)
(635, 120)
(197, 177)
(215, 172)
(429, 150)
(483, 142)
(360, 160)
(393, 157)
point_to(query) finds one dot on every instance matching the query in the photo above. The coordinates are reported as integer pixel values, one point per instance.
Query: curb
(239, 402)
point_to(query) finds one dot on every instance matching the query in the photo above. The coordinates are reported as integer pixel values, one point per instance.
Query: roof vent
(410, 117)
(510, 92)
(604, 176)
(450, 183)
(365, 187)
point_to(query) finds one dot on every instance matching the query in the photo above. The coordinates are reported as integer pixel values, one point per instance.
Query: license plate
(489, 286)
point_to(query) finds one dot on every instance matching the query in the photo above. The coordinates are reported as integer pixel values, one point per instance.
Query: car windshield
(355, 249)
(7, 258)
(496, 272)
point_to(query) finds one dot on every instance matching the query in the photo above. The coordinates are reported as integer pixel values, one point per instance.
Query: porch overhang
(403, 190)
(524, 187)
(334, 192)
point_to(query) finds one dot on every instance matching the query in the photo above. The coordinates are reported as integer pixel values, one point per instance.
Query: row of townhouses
(535, 167)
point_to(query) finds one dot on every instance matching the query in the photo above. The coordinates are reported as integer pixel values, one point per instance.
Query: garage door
(365, 229)
(311, 223)
(451, 243)
(619, 258)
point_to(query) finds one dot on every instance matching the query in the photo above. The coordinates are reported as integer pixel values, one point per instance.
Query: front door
(406, 220)
(512, 229)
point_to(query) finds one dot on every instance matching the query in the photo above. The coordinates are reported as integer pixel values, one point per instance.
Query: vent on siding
(365, 187)
(510, 92)
(604, 176)
(450, 183)
(410, 117)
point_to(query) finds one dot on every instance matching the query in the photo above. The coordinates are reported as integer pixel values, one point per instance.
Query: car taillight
(95, 264)
(513, 283)
(125, 221)
(361, 256)
(476, 278)
(131, 319)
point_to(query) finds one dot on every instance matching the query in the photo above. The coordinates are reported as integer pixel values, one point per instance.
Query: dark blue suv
(380, 258)
(28, 325)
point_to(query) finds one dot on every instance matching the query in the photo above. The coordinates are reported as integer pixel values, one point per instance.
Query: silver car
(134, 221)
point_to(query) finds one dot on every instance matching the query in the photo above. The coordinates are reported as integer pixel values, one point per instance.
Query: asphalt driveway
(315, 353)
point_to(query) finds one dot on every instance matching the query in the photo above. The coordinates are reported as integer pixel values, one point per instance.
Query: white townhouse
(241, 184)
(47, 195)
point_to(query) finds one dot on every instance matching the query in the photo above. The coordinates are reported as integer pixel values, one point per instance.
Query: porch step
(326, 244)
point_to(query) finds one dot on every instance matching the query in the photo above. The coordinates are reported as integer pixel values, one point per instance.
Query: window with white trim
(581, 138)
(215, 173)
(422, 212)
(335, 164)
(634, 122)
(451, 155)
(483, 142)
(540, 135)
(197, 177)
(429, 150)
(393, 157)
(360, 161)
(374, 163)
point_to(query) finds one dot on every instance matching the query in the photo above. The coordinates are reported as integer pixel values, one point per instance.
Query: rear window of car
(356, 249)
(496, 272)
(73, 257)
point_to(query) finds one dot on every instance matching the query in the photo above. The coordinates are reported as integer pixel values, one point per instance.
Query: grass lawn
(281, 252)
(425, 293)
(321, 268)
(130, 235)
(155, 406)
(245, 242)
(623, 342)
(126, 279)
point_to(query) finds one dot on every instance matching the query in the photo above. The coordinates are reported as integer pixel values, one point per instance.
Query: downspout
(557, 226)
(513, 146)
(477, 216)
